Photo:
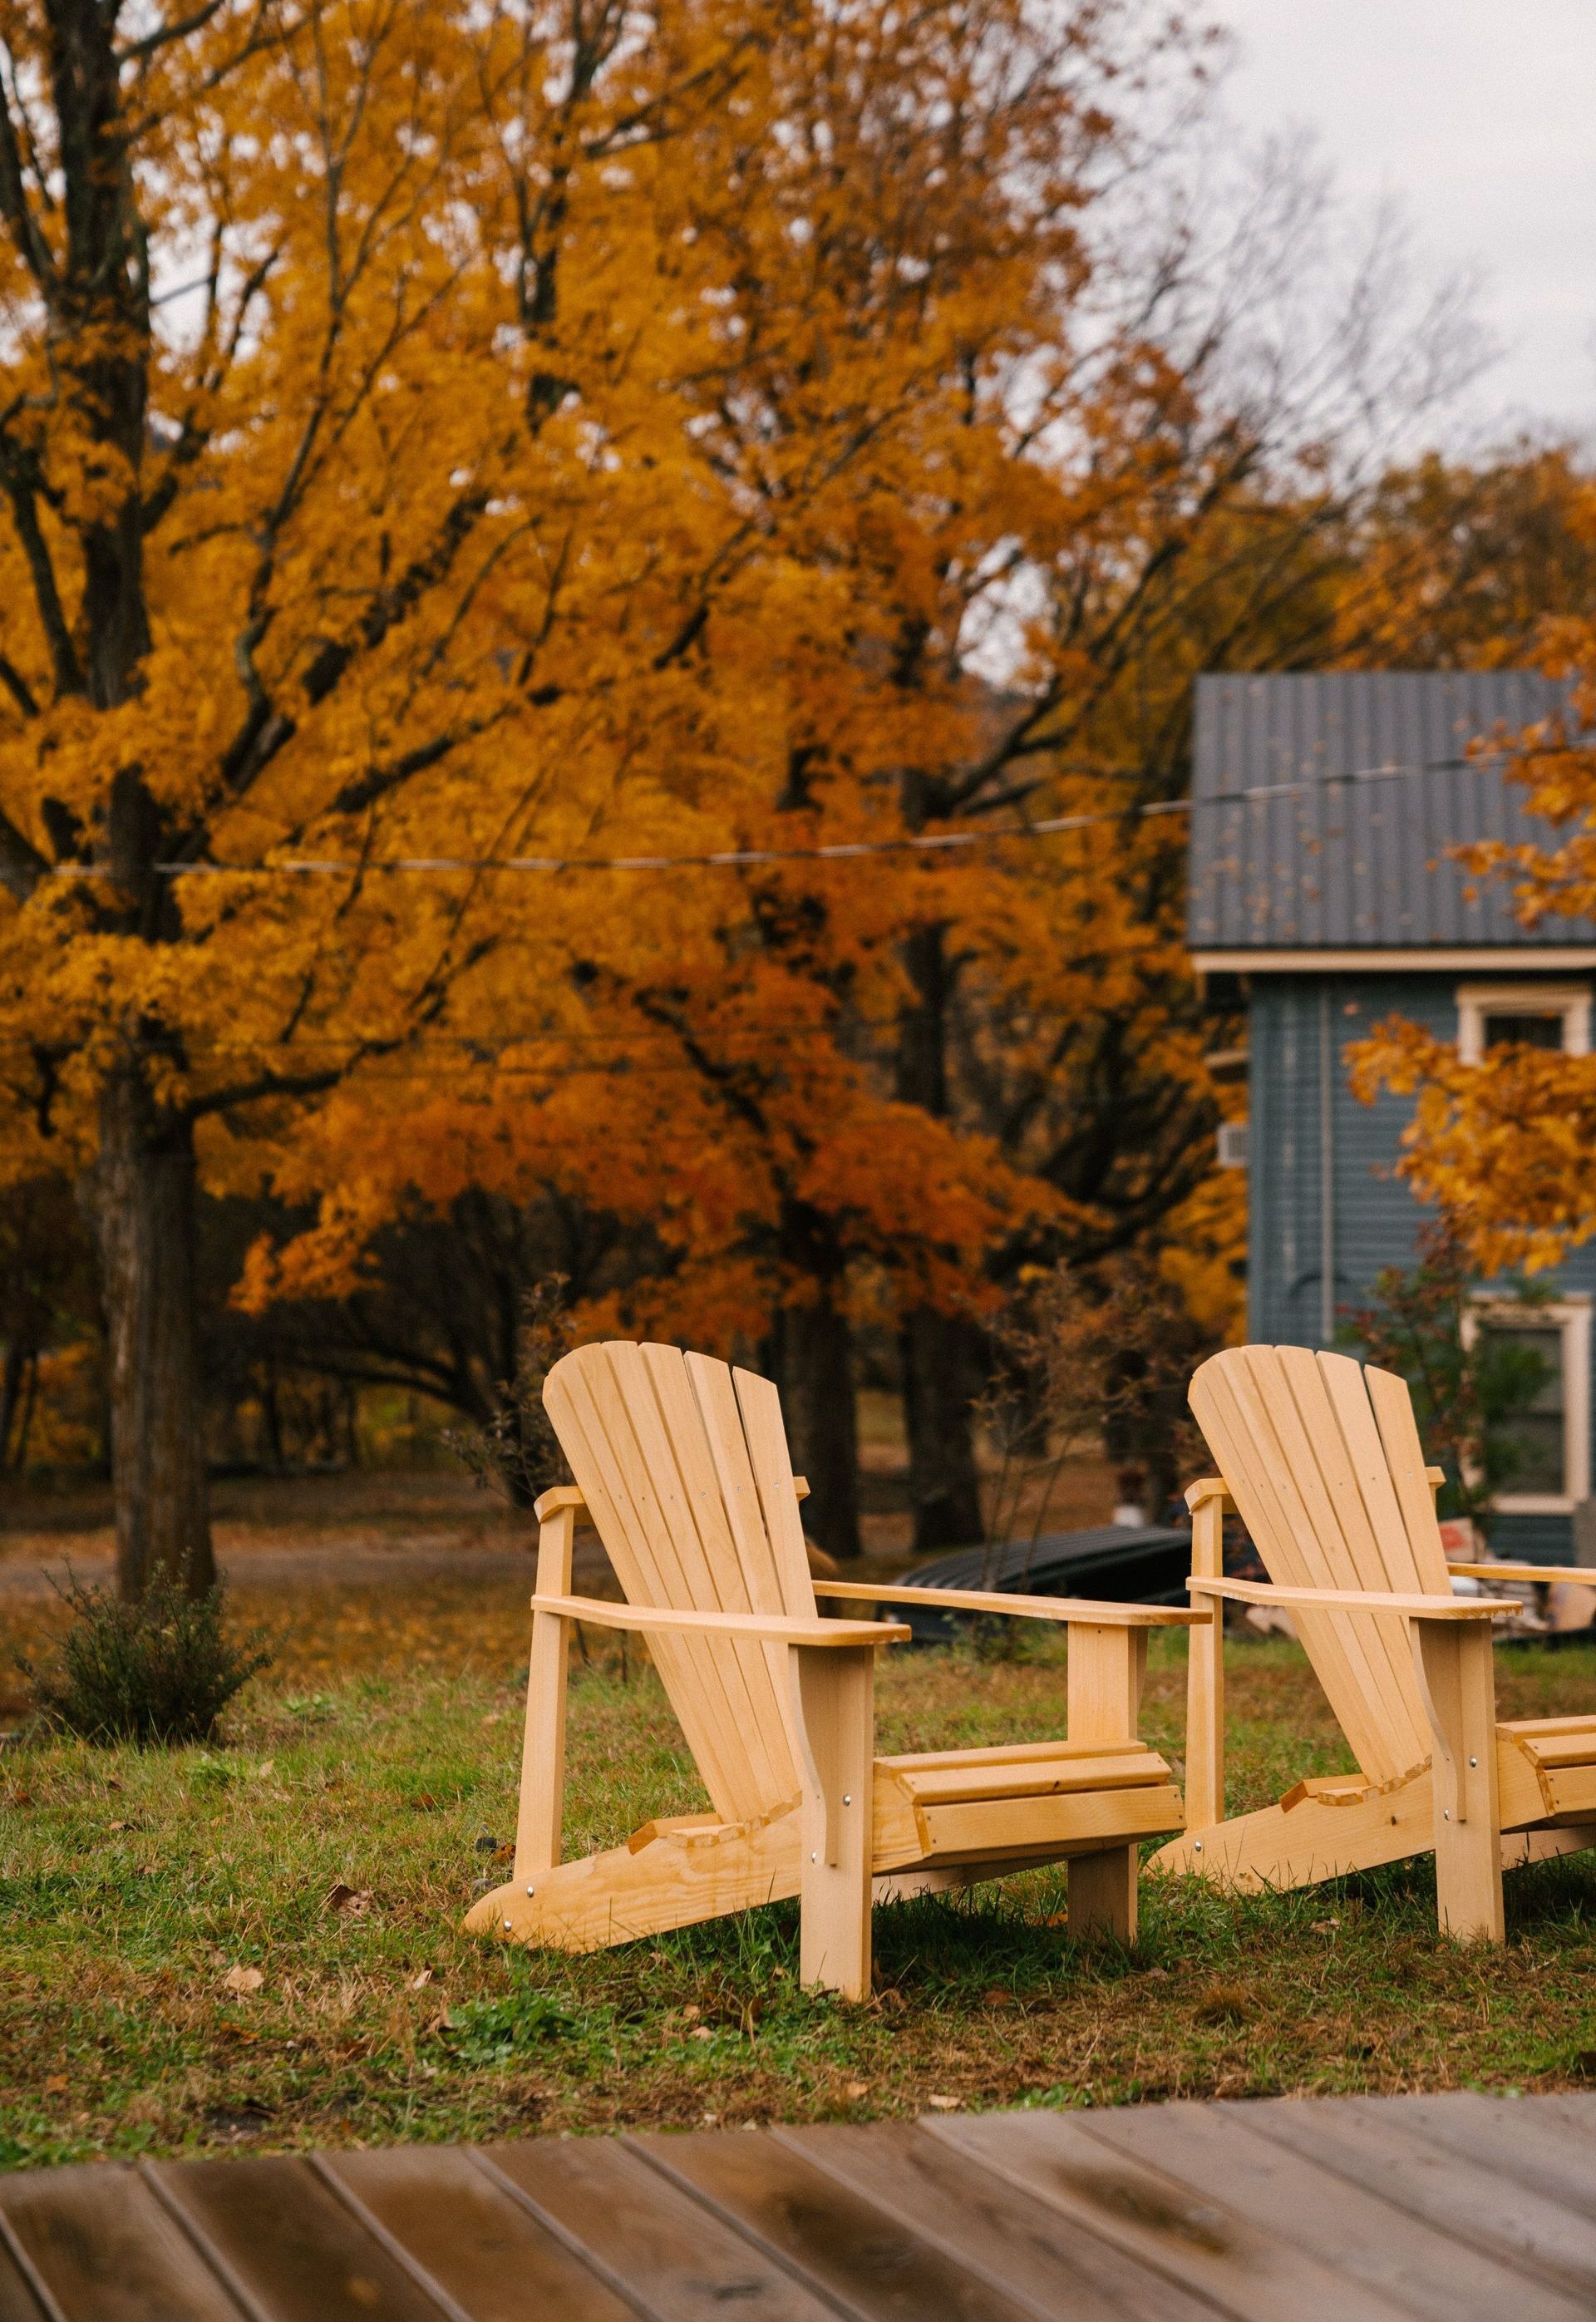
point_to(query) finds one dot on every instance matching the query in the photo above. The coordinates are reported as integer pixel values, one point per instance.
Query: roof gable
(1372, 785)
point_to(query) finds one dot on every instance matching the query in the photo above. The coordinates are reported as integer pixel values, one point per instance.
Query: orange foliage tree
(477, 433)
(1503, 1145)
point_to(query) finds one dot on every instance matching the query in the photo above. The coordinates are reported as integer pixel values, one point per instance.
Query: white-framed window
(1536, 1015)
(1231, 1145)
(1553, 1436)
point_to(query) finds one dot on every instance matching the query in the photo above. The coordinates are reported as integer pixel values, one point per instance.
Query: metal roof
(1379, 786)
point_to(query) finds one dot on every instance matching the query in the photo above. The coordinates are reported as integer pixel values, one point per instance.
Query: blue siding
(1374, 1218)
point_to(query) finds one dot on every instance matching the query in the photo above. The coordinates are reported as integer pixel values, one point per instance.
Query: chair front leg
(1106, 1668)
(540, 1817)
(1205, 1664)
(1457, 1680)
(833, 1711)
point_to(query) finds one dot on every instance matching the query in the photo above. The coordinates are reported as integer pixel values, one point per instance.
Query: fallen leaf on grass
(57, 2085)
(855, 2089)
(1324, 1926)
(242, 1981)
(701, 2032)
(235, 2032)
(352, 1902)
(420, 1982)
(997, 1999)
(124, 1825)
(942, 2104)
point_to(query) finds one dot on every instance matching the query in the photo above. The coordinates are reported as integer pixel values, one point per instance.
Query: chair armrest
(1209, 1487)
(1581, 1576)
(767, 1628)
(1353, 1600)
(1024, 1608)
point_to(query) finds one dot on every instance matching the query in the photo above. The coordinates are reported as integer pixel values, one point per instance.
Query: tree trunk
(144, 1204)
(11, 1395)
(822, 1423)
(938, 1368)
(938, 1390)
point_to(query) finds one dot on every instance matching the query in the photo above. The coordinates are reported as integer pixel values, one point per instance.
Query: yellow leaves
(1503, 1146)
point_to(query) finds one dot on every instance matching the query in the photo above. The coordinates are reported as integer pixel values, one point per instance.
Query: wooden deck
(1450, 2207)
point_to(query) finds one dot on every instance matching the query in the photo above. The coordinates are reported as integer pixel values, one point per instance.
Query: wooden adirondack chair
(683, 1467)
(1322, 1458)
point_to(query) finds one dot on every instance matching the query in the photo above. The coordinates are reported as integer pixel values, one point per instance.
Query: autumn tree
(1503, 1145)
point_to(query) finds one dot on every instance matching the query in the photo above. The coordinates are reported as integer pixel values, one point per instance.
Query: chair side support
(833, 1714)
(1205, 1664)
(541, 1815)
(1457, 1682)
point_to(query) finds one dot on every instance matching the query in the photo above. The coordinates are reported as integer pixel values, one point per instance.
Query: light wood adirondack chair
(1322, 1458)
(682, 1465)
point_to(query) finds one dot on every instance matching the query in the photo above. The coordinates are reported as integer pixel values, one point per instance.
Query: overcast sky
(1480, 116)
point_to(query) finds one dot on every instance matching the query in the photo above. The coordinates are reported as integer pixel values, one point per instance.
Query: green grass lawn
(331, 1846)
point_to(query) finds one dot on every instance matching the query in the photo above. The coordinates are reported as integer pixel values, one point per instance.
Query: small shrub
(495, 2031)
(161, 1671)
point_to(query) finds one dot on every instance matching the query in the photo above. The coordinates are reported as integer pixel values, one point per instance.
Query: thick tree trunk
(938, 1390)
(144, 1204)
(817, 1362)
(938, 1365)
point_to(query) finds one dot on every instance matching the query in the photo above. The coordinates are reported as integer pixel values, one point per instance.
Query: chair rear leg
(1103, 1893)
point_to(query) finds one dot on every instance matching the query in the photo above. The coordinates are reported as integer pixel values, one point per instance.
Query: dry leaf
(856, 2089)
(997, 1999)
(690, 2014)
(701, 2032)
(57, 2085)
(420, 1982)
(121, 1825)
(242, 1981)
(353, 1902)
(236, 2032)
(1324, 1926)
(942, 2104)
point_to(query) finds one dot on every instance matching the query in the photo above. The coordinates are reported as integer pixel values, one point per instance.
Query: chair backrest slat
(1305, 1442)
(656, 1442)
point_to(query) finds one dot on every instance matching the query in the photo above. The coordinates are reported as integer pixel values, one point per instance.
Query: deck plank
(1218, 2152)
(1362, 2139)
(1551, 2150)
(17, 2301)
(658, 2241)
(1450, 2208)
(865, 2256)
(1038, 2254)
(290, 2245)
(106, 2250)
(1247, 2271)
(470, 2237)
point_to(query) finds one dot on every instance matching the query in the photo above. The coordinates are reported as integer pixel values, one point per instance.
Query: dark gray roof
(1340, 862)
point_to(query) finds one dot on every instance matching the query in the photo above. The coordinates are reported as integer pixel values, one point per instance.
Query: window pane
(1532, 1435)
(1524, 1031)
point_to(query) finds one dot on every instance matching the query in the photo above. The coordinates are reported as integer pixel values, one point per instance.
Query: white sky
(1480, 117)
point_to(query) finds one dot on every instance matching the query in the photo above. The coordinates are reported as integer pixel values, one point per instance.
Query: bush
(161, 1671)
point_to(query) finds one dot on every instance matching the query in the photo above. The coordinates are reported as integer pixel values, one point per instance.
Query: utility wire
(736, 858)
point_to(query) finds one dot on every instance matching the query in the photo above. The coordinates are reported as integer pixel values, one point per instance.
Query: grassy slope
(379, 1756)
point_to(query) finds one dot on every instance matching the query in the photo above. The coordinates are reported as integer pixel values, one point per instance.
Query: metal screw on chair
(506, 1927)
(532, 1890)
(1473, 1761)
(847, 1801)
(1197, 1846)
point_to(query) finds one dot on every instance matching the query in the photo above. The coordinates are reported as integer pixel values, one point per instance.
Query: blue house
(1324, 897)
